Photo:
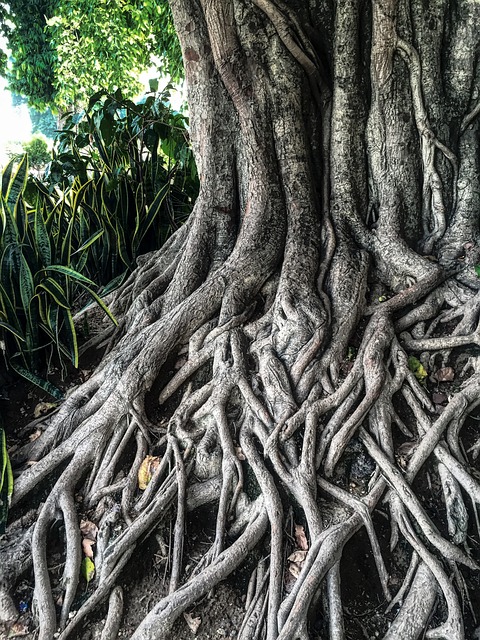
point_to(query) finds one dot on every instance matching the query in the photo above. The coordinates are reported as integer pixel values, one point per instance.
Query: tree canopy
(62, 51)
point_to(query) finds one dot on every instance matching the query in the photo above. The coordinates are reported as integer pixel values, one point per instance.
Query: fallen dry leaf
(239, 453)
(447, 374)
(193, 623)
(87, 545)
(300, 537)
(294, 569)
(42, 408)
(298, 556)
(17, 629)
(146, 471)
(295, 561)
(88, 529)
(36, 434)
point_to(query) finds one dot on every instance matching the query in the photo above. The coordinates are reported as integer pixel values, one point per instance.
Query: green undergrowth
(121, 180)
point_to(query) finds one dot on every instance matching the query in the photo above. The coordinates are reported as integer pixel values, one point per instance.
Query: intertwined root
(231, 419)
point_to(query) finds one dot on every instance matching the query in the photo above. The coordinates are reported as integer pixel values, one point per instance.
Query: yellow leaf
(417, 368)
(43, 407)
(146, 471)
(88, 569)
(298, 556)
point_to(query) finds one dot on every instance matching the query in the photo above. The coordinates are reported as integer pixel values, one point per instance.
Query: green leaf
(17, 183)
(42, 241)
(72, 337)
(145, 223)
(94, 99)
(6, 176)
(417, 368)
(71, 273)
(36, 380)
(12, 330)
(6, 481)
(153, 82)
(477, 270)
(88, 569)
(107, 129)
(93, 238)
(27, 289)
(101, 304)
(52, 287)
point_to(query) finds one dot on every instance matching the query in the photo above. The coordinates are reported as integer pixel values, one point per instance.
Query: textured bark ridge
(338, 148)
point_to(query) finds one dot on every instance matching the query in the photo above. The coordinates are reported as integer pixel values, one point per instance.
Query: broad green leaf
(27, 289)
(42, 241)
(6, 176)
(88, 569)
(10, 234)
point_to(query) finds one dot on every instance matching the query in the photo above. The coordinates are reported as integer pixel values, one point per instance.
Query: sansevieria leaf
(6, 481)
(58, 268)
(100, 303)
(42, 241)
(52, 287)
(37, 380)
(17, 183)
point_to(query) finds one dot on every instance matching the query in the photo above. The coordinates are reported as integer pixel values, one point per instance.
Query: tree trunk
(265, 352)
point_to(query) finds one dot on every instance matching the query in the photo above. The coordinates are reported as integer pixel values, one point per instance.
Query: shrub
(41, 260)
(121, 180)
(38, 152)
(137, 169)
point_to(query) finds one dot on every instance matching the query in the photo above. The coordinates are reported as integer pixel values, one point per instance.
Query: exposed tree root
(97, 437)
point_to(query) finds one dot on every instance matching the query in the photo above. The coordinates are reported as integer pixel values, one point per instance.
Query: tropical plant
(121, 180)
(138, 171)
(38, 152)
(42, 254)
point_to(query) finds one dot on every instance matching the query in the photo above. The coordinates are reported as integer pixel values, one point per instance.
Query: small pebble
(439, 398)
